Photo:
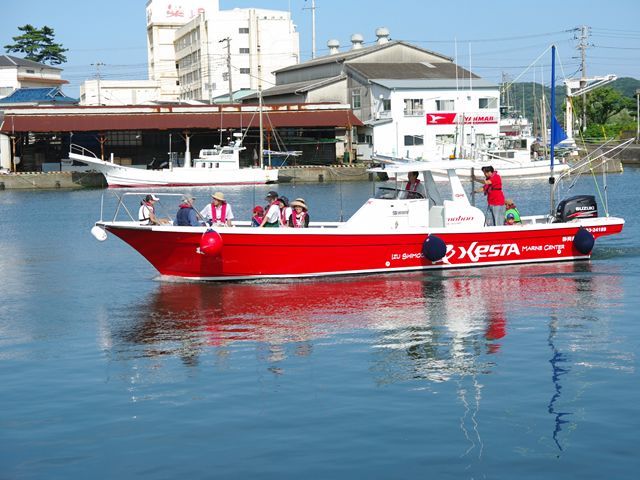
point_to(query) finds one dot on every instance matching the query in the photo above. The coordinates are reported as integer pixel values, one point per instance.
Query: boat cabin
(395, 207)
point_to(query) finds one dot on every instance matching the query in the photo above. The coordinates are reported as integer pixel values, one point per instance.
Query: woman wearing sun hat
(300, 216)
(218, 212)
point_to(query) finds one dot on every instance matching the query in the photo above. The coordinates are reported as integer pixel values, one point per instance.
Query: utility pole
(582, 46)
(98, 65)
(228, 40)
(637, 115)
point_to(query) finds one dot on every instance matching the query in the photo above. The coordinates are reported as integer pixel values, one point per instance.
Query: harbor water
(517, 372)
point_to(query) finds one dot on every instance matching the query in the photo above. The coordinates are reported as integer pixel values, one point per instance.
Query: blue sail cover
(558, 133)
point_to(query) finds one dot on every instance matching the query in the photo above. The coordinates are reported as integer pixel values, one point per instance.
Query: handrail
(80, 150)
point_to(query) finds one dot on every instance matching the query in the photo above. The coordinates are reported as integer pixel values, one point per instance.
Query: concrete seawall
(331, 173)
(51, 180)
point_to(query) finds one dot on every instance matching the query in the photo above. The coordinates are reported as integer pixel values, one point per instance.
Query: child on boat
(258, 216)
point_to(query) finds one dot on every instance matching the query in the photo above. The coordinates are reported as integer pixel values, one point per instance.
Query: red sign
(441, 118)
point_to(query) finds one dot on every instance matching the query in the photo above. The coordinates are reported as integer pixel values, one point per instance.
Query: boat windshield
(390, 193)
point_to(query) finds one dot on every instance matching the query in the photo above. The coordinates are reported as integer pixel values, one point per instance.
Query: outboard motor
(580, 206)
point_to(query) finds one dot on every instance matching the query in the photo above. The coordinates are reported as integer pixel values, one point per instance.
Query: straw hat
(299, 202)
(218, 196)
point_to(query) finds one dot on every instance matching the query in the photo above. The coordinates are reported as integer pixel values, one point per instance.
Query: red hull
(256, 253)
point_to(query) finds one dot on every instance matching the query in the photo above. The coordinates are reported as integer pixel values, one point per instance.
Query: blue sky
(491, 37)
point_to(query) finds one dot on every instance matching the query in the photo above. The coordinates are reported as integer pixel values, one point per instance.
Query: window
(444, 139)
(364, 138)
(124, 138)
(488, 102)
(245, 50)
(245, 70)
(243, 30)
(386, 104)
(355, 99)
(445, 105)
(413, 107)
(225, 76)
(410, 140)
(30, 71)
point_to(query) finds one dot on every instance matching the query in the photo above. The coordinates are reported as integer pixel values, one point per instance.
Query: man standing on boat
(218, 212)
(492, 188)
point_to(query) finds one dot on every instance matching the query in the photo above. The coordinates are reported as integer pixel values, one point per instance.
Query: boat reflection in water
(426, 327)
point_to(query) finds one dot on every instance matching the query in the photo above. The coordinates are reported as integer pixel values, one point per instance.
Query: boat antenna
(552, 179)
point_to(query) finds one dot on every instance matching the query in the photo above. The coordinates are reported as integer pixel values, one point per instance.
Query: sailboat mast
(552, 180)
(261, 145)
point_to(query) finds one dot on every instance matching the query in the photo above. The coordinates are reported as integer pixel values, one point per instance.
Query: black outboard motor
(580, 206)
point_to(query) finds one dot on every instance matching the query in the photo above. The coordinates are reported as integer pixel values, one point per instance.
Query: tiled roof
(11, 61)
(38, 95)
(406, 71)
(351, 54)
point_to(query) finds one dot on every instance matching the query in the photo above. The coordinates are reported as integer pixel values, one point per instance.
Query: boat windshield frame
(394, 193)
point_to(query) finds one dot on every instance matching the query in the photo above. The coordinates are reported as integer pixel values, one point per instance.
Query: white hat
(218, 196)
(299, 202)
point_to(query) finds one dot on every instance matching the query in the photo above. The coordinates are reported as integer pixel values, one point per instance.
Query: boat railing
(80, 150)
(123, 207)
(122, 200)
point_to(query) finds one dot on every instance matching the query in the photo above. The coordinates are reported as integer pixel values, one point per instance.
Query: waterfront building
(119, 92)
(16, 73)
(414, 102)
(197, 51)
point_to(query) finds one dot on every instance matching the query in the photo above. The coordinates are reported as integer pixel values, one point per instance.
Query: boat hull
(124, 176)
(252, 253)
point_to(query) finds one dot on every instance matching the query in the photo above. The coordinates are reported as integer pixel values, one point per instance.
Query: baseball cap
(510, 216)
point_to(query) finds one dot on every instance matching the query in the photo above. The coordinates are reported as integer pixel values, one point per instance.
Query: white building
(18, 73)
(191, 44)
(119, 92)
(414, 102)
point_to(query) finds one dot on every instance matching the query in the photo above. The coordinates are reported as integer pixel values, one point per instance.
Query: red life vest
(412, 187)
(223, 213)
(284, 218)
(298, 222)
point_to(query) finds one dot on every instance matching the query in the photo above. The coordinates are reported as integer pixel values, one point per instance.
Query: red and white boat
(395, 231)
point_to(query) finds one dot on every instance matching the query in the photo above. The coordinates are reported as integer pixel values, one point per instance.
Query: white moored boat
(215, 166)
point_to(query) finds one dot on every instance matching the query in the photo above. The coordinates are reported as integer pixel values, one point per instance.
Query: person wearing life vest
(511, 215)
(272, 214)
(218, 212)
(492, 188)
(415, 185)
(258, 215)
(299, 217)
(187, 215)
(147, 212)
(285, 211)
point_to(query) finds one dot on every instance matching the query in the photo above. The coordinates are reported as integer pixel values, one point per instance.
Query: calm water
(498, 373)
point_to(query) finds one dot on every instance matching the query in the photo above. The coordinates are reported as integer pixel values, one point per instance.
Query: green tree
(37, 44)
(602, 104)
